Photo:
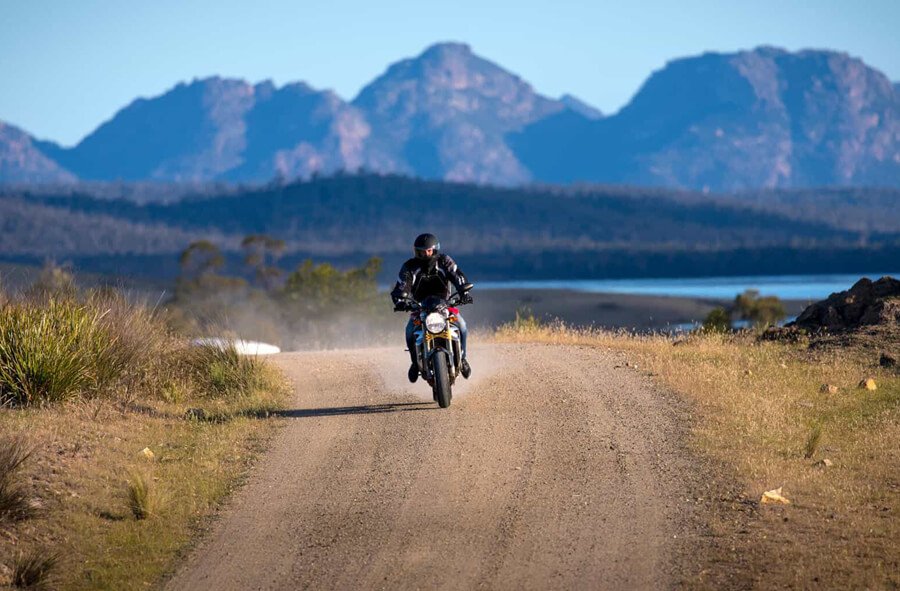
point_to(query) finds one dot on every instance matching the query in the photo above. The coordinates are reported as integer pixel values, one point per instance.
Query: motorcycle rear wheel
(442, 391)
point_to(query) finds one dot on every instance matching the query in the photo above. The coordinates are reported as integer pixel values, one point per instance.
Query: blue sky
(66, 66)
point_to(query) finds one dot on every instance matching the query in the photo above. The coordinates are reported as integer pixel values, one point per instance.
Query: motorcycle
(438, 348)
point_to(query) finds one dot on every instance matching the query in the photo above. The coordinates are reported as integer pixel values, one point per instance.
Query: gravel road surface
(555, 468)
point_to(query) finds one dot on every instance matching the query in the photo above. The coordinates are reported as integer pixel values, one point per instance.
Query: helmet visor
(424, 253)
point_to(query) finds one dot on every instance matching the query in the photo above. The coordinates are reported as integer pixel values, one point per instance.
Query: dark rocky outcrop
(867, 303)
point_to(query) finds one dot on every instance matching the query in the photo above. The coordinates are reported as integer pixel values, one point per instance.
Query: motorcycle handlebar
(414, 306)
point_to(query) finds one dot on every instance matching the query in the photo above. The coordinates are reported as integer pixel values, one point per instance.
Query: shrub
(760, 311)
(717, 321)
(136, 347)
(14, 501)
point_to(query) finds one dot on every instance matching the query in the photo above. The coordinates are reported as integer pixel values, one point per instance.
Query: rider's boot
(465, 369)
(413, 373)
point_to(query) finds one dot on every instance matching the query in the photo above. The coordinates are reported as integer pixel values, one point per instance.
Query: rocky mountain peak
(765, 117)
(579, 106)
(22, 160)
(445, 113)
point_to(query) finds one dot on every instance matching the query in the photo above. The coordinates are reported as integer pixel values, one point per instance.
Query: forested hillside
(539, 232)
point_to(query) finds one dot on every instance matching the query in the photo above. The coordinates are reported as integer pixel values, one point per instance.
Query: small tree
(322, 287)
(760, 311)
(261, 254)
(201, 258)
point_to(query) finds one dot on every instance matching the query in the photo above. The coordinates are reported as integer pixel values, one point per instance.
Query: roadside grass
(135, 438)
(34, 570)
(82, 475)
(761, 418)
(143, 500)
(14, 501)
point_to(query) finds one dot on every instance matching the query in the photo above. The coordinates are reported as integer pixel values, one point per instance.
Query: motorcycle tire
(442, 392)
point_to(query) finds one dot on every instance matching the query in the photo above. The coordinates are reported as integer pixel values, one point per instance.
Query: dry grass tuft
(143, 499)
(34, 570)
(812, 442)
(14, 501)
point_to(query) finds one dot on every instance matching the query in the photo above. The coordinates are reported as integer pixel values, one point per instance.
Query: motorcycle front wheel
(442, 392)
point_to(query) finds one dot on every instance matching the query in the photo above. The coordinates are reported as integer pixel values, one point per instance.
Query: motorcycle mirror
(467, 287)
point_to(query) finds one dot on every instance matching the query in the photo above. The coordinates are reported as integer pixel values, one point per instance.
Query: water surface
(787, 287)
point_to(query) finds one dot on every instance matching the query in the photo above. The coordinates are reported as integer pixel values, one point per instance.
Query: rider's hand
(401, 307)
(466, 298)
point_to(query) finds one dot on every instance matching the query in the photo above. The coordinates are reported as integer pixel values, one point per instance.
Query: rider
(429, 273)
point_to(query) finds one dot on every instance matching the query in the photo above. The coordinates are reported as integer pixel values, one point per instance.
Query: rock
(887, 360)
(823, 463)
(774, 497)
(868, 384)
(829, 389)
(866, 303)
(148, 453)
(748, 372)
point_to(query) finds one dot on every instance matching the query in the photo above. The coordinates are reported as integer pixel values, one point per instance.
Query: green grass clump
(46, 351)
(222, 372)
(14, 501)
(34, 570)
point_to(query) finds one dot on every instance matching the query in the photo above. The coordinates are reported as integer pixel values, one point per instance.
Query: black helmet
(423, 243)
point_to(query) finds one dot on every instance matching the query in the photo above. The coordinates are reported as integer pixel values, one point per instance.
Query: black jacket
(422, 278)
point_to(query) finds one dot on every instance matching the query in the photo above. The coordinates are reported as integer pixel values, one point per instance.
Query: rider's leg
(463, 333)
(464, 368)
(413, 373)
(411, 340)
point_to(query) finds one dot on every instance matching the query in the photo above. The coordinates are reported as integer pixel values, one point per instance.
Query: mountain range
(764, 118)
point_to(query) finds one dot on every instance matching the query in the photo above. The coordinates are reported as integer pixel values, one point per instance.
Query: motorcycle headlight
(435, 322)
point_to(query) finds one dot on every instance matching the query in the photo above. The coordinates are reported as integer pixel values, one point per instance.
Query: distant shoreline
(493, 307)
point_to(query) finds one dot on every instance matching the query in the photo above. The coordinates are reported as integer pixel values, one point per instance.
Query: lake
(787, 287)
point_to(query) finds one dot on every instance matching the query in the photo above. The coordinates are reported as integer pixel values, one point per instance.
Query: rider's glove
(401, 306)
(466, 298)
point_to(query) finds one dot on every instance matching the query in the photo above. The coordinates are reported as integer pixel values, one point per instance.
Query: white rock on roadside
(241, 346)
(774, 497)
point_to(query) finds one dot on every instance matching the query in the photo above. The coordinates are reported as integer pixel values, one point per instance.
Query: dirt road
(557, 468)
